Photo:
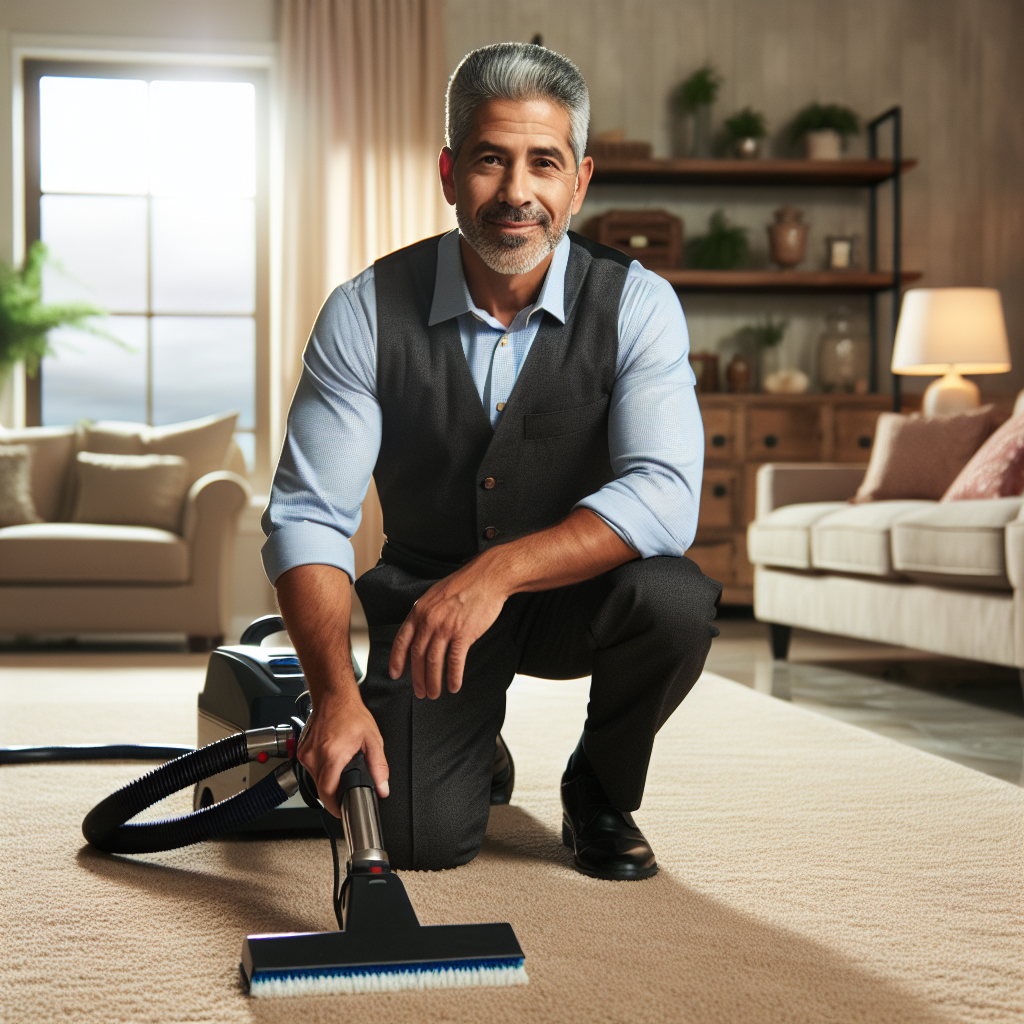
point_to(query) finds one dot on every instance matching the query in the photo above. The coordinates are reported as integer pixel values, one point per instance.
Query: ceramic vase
(747, 148)
(788, 237)
(824, 145)
(700, 140)
(738, 374)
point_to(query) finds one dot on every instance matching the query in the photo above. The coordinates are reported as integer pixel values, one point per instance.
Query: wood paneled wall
(953, 65)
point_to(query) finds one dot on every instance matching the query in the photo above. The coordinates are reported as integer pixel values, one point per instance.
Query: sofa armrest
(217, 496)
(793, 483)
(1014, 541)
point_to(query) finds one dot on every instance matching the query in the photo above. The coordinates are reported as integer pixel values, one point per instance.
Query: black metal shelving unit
(873, 173)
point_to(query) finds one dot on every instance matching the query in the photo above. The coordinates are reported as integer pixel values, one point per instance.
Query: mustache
(514, 214)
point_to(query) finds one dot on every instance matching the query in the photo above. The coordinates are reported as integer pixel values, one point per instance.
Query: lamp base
(951, 393)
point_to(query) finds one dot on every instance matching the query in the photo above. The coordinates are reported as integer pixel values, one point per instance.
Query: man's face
(514, 184)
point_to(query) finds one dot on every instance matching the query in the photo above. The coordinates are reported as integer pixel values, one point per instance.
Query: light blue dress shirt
(655, 435)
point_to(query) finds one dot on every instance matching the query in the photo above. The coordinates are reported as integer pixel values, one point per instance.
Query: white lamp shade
(951, 329)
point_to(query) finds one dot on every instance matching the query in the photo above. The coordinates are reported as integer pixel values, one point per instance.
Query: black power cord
(92, 752)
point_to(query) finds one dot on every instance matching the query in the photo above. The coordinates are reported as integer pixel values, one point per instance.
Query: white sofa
(941, 577)
(58, 576)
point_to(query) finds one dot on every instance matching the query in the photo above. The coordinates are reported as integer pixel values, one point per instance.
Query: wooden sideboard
(741, 432)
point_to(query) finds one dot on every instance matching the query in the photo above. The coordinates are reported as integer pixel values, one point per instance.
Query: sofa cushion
(203, 443)
(53, 449)
(783, 537)
(996, 469)
(16, 504)
(960, 544)
(857, 539)
(130, 490)
(919, 456)
(89, 553)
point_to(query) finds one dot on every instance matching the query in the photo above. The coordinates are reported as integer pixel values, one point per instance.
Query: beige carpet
(810, 872)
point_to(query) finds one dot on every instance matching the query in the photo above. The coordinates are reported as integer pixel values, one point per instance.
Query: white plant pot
(823, 145)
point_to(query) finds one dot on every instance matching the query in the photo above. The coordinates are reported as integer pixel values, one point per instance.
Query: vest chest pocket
(540, 425)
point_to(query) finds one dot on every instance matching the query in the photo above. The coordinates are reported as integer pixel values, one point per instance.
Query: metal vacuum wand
(360, 818)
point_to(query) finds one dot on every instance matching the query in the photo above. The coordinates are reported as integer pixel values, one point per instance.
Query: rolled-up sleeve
(332, 440)
(655, 433)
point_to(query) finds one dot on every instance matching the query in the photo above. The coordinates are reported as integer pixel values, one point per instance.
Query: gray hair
(517, 71)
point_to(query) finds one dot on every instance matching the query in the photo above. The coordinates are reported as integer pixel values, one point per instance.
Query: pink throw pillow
(918, 457)
(996, 469)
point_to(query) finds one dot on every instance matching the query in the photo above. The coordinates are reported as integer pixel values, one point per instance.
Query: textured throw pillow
(918, 457)
(16, 505)
(996, 469)
(130, 490)
(52, 459)
(202, 443)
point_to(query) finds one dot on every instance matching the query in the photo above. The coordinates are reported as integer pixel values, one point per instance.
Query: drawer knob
(864, 442)
(770, 440)
(719, 490)
(718, 440)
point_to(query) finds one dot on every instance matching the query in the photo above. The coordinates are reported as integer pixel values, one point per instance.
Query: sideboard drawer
(718, 498)
(855, 434)
(715, 560)
(781, 434)
(718, 433)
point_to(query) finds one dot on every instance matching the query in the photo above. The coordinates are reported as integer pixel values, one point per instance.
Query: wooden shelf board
(848, 173)
(784, 280)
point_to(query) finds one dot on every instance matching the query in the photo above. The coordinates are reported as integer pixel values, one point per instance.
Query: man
(524, 401)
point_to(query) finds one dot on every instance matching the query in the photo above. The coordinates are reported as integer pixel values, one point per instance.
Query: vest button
(489, 482)
(491, 532)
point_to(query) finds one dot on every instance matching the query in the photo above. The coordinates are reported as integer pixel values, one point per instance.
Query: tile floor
(964, 711)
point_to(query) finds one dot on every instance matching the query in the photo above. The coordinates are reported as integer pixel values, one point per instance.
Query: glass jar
(844, 356)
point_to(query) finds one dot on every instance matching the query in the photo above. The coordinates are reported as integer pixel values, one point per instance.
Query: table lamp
(951, 331)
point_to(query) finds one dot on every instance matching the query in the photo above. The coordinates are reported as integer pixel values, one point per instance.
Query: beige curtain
(362, 104)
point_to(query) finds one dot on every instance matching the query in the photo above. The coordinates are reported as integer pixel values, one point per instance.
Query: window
(146, 186)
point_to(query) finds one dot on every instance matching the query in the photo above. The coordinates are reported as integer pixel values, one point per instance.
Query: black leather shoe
(503, 776)
(605, 842)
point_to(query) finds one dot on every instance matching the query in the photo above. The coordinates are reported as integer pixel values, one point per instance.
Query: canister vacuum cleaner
(246, 777)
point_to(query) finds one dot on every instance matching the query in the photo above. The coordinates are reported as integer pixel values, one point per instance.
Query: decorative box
(653, 237)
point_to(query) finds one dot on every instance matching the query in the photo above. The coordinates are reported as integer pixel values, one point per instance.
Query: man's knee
(667, 597)
(429, 837)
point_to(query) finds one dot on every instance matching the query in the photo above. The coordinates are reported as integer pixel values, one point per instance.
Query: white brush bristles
(388, 981)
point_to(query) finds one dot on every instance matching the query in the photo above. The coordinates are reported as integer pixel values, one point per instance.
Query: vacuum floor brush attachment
(381, 947)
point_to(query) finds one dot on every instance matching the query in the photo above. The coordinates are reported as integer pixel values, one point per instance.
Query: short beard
(511, 254)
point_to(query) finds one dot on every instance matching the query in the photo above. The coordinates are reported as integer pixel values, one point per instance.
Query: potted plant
(25, 322)
(724, 247)
(745, 130)
(694, 97)
(825, 128)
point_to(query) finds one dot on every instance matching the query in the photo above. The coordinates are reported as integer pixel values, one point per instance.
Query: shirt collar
(451, 295)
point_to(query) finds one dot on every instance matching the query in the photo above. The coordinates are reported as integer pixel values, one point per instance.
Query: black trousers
(642, 631)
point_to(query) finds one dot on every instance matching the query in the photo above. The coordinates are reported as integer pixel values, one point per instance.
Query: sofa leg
(778, 637)
(203, 644)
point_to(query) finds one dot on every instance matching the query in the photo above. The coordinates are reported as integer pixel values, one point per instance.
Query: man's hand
(458, 610)
(316, 604)
(337, 729)
(443, 624)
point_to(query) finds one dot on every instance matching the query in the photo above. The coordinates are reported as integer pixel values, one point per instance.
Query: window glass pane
(204, 256)
(247, 442)
(93, 135)
(204, 138)
(203, 365)
(92, 378)
(100, 243)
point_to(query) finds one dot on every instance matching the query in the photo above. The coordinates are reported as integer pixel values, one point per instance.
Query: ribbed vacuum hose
(105, 825)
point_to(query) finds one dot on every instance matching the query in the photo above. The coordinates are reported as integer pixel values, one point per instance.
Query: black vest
(451, 486)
